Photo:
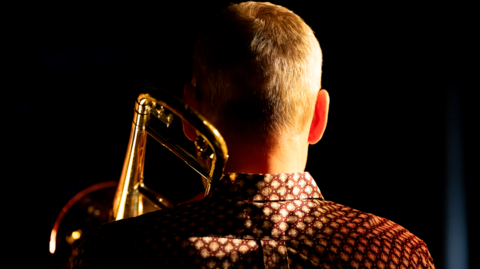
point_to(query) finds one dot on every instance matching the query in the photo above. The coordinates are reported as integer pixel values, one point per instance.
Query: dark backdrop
(386, 68)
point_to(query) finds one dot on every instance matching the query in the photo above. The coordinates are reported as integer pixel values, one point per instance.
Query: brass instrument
(153, 112)
(161, 104)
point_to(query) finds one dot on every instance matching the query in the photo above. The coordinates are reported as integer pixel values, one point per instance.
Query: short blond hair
(258, 71)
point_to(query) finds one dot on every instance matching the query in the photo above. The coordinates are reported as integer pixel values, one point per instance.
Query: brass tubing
(132, 172)
(124, 205)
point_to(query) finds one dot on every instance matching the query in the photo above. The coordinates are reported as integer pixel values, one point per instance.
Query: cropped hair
(257, 68)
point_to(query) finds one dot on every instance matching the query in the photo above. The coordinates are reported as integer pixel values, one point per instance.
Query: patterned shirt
(255, 221)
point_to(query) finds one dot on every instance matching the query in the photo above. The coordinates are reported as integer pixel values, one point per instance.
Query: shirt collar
(266, 187)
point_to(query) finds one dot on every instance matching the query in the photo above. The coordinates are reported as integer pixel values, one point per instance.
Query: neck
(288, 156)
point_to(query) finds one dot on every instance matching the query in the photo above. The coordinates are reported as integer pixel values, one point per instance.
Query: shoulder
(119, 243)
(349, 236)
(160, 219)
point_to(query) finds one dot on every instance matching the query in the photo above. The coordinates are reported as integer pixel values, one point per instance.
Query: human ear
(320, 117)
(190, 98)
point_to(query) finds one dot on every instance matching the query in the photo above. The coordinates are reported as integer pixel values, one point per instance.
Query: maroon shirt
(255, 221)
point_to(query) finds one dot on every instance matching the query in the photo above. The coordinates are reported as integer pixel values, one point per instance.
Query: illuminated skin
(289, 156)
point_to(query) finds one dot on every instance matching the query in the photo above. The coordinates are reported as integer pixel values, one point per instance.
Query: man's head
(257, 71)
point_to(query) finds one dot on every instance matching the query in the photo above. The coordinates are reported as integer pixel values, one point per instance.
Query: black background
(77, 69)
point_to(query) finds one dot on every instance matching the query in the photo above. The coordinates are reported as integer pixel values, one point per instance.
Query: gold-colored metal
(153, 111)
(159, 103)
